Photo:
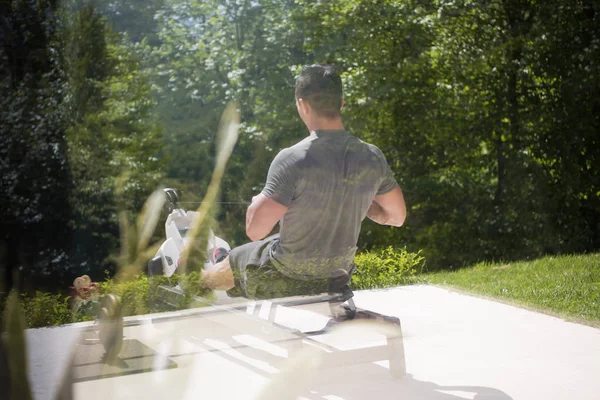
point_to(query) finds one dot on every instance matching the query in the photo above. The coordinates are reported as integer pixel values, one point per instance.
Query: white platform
(457, 347)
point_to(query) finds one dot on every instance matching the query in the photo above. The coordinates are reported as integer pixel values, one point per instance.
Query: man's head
(319, 92)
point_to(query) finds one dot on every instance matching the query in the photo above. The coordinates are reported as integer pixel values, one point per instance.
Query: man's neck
(327, 125)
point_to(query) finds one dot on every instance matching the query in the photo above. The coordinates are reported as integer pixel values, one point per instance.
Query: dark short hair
(321, 87)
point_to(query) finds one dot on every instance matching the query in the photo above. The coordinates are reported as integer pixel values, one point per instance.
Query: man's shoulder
(292, 156)
(302, 145)
(373, 148)
(360, 142)
(296, 151)
(376, 151)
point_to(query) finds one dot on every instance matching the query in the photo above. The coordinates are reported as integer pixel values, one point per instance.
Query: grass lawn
(567, 286)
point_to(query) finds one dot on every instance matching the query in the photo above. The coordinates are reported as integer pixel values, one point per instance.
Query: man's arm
(272, 203)
(388, 208)
(262, 215)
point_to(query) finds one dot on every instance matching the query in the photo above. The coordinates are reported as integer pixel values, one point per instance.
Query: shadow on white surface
(373, 382)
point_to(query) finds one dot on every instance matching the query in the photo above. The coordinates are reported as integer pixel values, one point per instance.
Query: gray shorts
(257, 278)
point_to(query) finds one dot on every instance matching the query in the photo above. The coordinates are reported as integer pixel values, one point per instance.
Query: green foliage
(374, 269)
(76, 113)
(34, 207)
(115, 136)
(46, 309)
(133, 294)
(385, 268)
(136, 294)
(487, 113)
(133, 18)
(476, 107)
(190, 285)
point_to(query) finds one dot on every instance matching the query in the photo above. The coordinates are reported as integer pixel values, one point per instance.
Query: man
(319, 191)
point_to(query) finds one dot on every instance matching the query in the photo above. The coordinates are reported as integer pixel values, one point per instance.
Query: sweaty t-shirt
(328, 182)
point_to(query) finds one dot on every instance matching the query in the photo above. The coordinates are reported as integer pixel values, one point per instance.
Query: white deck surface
(456, 346)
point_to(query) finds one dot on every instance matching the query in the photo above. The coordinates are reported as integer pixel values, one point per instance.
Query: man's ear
(303, 106)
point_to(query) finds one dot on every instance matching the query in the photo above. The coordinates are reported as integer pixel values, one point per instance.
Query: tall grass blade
(148, 218)
(125, 231)
(194, 255)
(135, 239)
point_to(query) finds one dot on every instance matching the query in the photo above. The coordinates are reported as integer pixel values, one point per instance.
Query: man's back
(329, 181)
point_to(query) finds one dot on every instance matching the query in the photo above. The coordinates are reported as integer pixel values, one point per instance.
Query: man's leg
(220, 277)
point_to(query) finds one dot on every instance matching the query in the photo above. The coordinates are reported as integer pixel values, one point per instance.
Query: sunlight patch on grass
(565, 285)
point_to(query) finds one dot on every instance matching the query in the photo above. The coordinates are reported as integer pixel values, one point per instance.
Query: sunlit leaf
(195, 253)
(148, 218)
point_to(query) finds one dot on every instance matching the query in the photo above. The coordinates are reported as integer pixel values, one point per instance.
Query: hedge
(374, 269)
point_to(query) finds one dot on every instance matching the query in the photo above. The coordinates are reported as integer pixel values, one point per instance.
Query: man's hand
(388, 209)
(262, 215)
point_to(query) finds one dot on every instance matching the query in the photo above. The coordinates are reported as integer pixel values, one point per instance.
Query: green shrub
(374, 269)
(136, 294)
(153, 293)
(189, 284)
(45, 309)
(133, 294)
(385, 268)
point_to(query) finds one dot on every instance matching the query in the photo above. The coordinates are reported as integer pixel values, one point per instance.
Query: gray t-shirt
(328, 182)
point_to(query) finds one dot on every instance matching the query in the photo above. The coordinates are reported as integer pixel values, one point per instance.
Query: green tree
(486, 111)
(113, 132)
(211, 53)
(566, 64)
(133, 18)
(35, 183)
(76, 114)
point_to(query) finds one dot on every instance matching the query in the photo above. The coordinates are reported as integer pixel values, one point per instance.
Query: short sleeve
(282, 178)
(388, 181)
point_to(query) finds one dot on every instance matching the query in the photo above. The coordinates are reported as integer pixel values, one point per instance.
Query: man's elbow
(397, 221)
(251, 225)
(253, 234)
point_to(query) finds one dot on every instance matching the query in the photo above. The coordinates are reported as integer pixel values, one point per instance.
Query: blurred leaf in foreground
(194, 255)
(135, 239)
(294, 378)
(14, 343)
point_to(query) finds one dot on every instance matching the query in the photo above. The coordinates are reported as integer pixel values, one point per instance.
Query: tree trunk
(501, 172)
(513, 97)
